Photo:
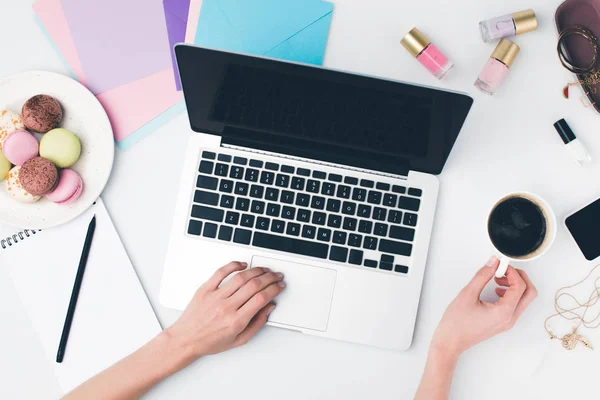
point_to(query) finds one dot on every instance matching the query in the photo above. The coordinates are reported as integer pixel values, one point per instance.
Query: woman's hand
(469, 321)
(221, 315)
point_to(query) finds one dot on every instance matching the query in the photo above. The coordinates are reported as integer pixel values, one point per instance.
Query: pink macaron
(20, 146)
(69, 188)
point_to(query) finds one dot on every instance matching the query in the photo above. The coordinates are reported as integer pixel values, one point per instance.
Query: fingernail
(244, 264)
(492, 261)
(266, 269)
(271, 308)
(281, 284)
(279, 275)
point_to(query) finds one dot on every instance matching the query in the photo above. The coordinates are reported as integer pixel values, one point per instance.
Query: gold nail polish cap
(525, 21)
(415, 42)
(506, 52)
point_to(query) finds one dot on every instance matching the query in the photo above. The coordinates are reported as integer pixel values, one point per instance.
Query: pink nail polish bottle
(427, 53)
(496, 69)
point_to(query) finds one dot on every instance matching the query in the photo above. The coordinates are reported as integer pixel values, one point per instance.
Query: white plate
(84, 116)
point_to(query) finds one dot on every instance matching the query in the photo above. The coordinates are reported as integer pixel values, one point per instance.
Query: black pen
(75, 293)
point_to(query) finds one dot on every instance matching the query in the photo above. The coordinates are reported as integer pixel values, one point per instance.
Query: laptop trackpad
(306, 300)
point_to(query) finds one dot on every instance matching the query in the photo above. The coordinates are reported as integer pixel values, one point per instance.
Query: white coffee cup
(551, 226)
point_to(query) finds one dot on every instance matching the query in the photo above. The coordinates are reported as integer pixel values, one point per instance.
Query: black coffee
(517, 227)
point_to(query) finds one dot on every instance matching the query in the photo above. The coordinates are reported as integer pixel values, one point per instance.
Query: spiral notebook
(113, 317)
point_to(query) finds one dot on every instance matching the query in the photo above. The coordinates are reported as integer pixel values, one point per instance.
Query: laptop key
(208, 213)
(227, 201)
(241, 189)
(370, 243)
(379, 213)
(398, 189)
(288, 212)
(287, 197)
(206, 167)
(236, 172)
(348, 208)
(302, 200)
(208, 155)
(303, 215)
(247, 220)
(386, 266)
(318, 203)
(282, 180)
(232, 218)
(267, 177)
(221, 169)
(370, 263)
(382, 186)
(339, 237)
(298, 183)
(207, 182)
(240, 160)
(273, 209)
(415, 192)
(224, 158)
(338, 254)
(263, 223)
(386, 258)
(256, 163)
(313, 186)
(278, 226)
(393, 247)
(395, 217)
(272, 166)
(194, 227)
(334, 221)
(319, 174)
(288, 169)
(335, 177)
(350, 180)
(328, 189)
(242, 204)
(257, 191)
(364, 211)
(350, 224)
(410, 219)
(356, 257)
(365, 226)
(354, 240)
(209, 198)
(251, 175)
(293, 229)
(380, 229)
(402, 233)
(409, 203)
(226, 186)
(359, 194)
(343, 191)
(242, 236)
(225, 233)
(272, 194)
(309, 231)
(290, 245)
(319, 218)
(334, 205)
(210, 230)
(303, 172)
(324, 235)
(367, 183)
(257, 207)
(390, 200)
(374, 197)
(401, 269)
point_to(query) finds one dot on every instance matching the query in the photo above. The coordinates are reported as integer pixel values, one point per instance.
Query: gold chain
(570, 340)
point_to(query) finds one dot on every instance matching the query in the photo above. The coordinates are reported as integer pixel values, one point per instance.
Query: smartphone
(584, 226)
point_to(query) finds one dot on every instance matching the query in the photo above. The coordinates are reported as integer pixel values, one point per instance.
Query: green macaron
(4, 167)
(60, 146)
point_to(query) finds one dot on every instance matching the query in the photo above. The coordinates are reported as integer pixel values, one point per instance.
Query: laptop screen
(318, 113)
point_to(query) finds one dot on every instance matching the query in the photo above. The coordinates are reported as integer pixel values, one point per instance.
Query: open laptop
(326, 176)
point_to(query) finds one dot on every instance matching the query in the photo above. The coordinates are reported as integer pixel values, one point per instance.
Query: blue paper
(293, 30)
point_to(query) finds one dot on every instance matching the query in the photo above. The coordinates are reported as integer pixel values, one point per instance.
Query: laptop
(326, 176)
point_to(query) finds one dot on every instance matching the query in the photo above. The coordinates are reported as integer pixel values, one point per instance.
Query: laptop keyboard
(343, 219)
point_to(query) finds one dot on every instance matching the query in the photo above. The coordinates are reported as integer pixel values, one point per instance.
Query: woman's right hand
(468, 320)
(221, 316)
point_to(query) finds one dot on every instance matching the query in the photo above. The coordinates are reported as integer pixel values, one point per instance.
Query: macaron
(61, 147)
(20, 146)
(42, 113)
(9, 122)
(5, 166)
(69, 188)
(38, 176)
(15, 190)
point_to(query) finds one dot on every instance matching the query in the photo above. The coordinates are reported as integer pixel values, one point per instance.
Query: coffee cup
(521, 227)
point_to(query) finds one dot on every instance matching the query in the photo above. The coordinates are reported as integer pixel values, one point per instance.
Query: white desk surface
(507, 144)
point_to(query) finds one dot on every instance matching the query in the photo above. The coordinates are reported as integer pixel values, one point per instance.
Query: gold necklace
(570, 340)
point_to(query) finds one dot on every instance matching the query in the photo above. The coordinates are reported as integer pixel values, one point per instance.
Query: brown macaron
(38, 176)
(41, 113)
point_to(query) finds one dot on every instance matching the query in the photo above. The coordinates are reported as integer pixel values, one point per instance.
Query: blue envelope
(293, 30)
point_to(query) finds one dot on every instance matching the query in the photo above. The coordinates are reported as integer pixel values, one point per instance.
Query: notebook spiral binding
(14, 239)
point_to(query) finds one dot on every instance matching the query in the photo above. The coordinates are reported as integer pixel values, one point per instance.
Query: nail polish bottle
(496, 69)
(427, 53)
(508, 25)
(577, 149)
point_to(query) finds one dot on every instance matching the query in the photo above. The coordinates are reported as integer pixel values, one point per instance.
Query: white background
(507, 144)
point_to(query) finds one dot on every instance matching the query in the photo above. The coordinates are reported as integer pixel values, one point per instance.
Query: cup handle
(501, 271)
